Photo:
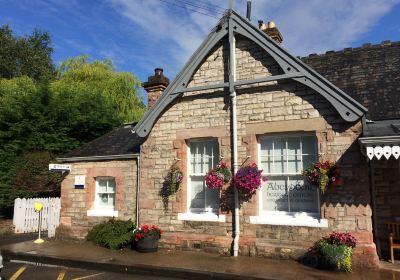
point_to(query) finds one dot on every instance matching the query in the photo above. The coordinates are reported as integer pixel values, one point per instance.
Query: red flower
(146, 231)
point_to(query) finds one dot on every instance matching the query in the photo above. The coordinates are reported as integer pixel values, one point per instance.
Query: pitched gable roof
(293, 68)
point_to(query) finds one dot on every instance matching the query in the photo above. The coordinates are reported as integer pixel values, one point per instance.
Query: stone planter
(147, 245)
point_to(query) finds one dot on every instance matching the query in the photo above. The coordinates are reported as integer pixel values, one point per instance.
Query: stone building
(242, 98)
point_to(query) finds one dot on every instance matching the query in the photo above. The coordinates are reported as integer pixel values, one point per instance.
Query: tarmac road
(22, 271)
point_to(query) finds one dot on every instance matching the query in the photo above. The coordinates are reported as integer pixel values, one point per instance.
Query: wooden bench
(394, 238)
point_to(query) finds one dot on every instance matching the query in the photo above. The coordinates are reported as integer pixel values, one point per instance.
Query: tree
(25, 135)
(91, 98)
(42, 119)
(29, 55)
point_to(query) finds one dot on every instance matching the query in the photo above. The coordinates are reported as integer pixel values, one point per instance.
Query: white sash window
(105, 192)
(286, 193)
(204, 155)
(104, 202)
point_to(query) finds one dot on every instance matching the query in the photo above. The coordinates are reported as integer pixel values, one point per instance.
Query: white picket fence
(27, 220)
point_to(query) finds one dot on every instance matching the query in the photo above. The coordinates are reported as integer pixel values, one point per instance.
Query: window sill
(206, 217)
(286, 220)
(102, 213)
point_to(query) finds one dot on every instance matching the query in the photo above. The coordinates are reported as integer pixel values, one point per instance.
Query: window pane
(279, 153)
(192, 170)
(207, 156)
(294, 164)
(279, 165)
(197, 193)
(274, 194)
(266, 165)
(212, 199)
(103, 199)
(111, 199)
(192, 157)
(198, 159)
(308, 145)
(303, 197)
(203, 156)
(293, 146)
(111, 186)
(279, 146)
(266, 147)
(266, 155)
(102, 185)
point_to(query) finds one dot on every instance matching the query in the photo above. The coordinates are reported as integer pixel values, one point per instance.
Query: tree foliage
(29, 55)
(42, 117)
(90, 98)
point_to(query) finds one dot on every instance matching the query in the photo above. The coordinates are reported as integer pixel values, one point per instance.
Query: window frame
(101, 210)
(299, 218)
(97, 198)
(190, 215)
(200, 175)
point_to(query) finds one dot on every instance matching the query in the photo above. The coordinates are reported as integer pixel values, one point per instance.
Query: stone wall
(76, 202)
(370, 74)
(274, 107)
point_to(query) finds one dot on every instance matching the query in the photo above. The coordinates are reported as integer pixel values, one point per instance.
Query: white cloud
(315, 26)
(307, 26)
(178, 32)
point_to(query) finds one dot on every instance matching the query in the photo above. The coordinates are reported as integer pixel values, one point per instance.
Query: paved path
(176, 264)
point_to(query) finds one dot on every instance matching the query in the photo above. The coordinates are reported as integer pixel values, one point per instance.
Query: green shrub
(336, 256)
(113, 234)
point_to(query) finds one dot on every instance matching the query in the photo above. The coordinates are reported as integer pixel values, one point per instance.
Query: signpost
(38, 209)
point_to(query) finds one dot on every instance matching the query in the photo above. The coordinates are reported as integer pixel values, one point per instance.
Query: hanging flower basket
(323, 174)
(218, 177)
(173, 179)
(248, 179)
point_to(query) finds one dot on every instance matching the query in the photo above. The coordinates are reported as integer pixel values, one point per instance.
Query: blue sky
(139, 35)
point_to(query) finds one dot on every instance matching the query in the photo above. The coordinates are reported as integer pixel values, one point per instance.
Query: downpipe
(232, 78)
(235, 169)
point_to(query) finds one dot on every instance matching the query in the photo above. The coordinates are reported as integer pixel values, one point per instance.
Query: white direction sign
(60, 167)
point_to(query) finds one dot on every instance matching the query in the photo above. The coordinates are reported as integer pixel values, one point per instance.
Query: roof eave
(380, 140)
(97, 158)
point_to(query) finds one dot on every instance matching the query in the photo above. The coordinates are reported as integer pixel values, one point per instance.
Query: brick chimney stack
(155, 86)
(271, 30)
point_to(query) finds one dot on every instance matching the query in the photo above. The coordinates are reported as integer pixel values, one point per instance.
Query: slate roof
(382, 128)
(120, 141)
(370, 74)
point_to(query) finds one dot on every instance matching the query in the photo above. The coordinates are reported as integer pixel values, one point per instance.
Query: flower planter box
(147, 244)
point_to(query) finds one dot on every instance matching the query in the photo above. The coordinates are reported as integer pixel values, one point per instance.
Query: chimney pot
(271, 24)
(158, 71)
(271, 30)
(261, 25)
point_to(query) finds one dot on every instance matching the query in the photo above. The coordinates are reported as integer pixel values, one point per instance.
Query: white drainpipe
(232, 46)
